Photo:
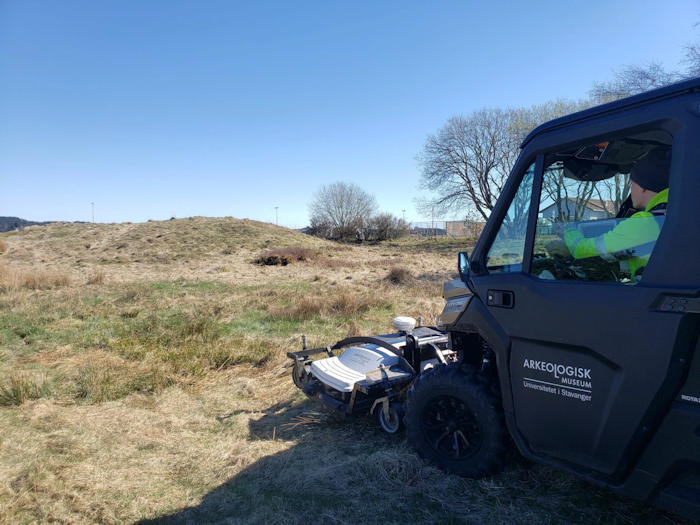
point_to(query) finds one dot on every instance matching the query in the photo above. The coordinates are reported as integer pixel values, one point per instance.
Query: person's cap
(652, 172)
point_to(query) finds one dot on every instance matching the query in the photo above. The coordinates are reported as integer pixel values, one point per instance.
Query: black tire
(296, 377)
(455, 420)
(299, 380)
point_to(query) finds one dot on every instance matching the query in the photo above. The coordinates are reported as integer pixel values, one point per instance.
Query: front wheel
(391, 424)
(296, 377)
(456, 422)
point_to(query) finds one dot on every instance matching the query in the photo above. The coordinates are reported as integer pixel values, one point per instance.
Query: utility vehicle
(581, 363)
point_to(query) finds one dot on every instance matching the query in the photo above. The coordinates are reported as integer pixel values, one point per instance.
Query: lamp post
(92, 205)
(276, 223)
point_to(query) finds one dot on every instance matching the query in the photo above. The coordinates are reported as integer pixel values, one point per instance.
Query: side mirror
(463, 265)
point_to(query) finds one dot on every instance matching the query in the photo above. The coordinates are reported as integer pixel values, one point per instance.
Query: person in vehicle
(632, 240)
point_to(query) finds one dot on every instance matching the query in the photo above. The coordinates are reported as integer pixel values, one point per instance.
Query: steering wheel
(565, 267)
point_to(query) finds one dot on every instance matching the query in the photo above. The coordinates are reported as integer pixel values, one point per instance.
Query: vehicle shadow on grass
(347, 471)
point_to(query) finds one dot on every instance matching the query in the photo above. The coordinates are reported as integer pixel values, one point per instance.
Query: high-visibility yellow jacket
(630, 242)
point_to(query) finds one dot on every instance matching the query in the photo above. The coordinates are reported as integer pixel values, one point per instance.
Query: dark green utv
(577, 314)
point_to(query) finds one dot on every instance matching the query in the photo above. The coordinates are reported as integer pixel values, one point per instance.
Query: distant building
(467, 229)
(594, 209)
(429, 232)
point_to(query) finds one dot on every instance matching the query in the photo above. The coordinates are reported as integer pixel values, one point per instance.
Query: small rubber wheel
(454, 420)
(296, 377)
(392, 424)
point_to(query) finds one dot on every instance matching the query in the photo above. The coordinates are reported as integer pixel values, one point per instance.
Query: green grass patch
(21, 387)
(100, 382)
(167, 332)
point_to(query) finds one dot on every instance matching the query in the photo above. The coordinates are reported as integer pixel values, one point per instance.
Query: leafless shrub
(399, 275)
(385, 226)
(284, 256)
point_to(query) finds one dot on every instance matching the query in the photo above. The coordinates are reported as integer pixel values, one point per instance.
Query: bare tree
(385, 226)
(631, 80)
(468, 160)
(523, 120)
(340, 210)
(692, 60)
(463, 163)
(634, 79)
(616, 190)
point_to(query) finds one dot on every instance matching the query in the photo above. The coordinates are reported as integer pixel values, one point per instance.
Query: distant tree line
(8, 224)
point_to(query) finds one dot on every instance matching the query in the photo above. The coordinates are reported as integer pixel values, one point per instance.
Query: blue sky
(222, 108)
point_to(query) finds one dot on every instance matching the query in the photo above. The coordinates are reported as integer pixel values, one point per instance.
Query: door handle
(500, 298)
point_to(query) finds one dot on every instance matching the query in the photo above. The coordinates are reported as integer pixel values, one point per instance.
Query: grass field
(142, 377)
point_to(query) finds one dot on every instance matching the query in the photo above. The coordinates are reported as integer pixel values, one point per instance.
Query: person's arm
(579, 246)
(641, 228)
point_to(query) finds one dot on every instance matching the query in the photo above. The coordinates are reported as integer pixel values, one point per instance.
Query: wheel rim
(451, 428)
(392, 424)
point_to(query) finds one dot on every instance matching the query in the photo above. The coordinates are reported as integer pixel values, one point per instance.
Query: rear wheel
(455, 421)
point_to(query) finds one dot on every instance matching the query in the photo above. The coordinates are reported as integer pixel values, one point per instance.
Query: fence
(455, 229)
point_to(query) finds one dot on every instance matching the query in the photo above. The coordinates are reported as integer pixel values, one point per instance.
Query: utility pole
(276, 223)
(92, 205)
(404, 215)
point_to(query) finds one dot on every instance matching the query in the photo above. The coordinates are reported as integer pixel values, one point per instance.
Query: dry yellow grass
(20, 387)
(3, 246)
(97, 277)
(39, 280)
(33, 280)
(160, 390)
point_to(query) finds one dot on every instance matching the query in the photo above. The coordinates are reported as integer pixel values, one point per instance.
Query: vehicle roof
(672, 90)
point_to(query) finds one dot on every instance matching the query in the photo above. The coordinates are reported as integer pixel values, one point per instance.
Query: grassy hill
(142, 376)
(151, 242)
